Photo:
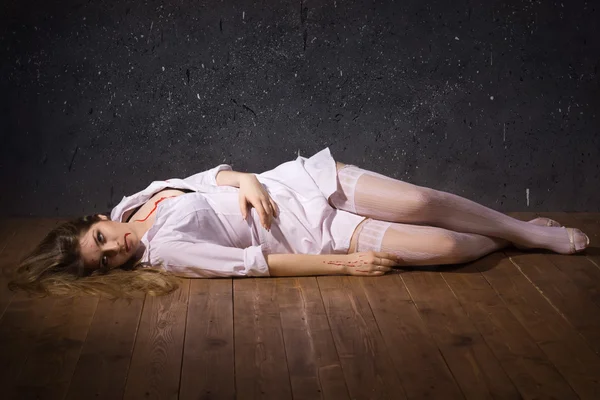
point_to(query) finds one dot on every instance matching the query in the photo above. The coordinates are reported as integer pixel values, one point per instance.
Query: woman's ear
(102, 217)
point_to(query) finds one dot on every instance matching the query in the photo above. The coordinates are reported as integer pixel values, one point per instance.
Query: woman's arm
(229, 178)
(367, 263)
(210, 260)
(305, 264)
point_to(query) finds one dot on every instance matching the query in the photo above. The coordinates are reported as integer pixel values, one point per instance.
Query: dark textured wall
(494, 100)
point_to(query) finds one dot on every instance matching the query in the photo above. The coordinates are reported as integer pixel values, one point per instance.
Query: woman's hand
(253, 192)
(370, 263)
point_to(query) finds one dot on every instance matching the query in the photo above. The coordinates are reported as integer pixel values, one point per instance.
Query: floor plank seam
(382, 339)
(36, 338)
(540, 291)
(453, 293)
(12, 294)
(412, 299)
(8, 303)
(533, 340)
(333, 339)
(515, 384)
(482, 336)
(187, 309)
(592, 261)
(285, 350)
(308, 331)
(7, 239)
(81, 348)
(490, 348)
(135, 338)
(235, 391)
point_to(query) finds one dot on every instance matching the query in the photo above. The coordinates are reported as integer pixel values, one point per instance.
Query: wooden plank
(521, 357)
(561, 343)
(208, 361)
(49, 368)
(101, 370)
(581, 268)
(559, 290)
(421, 367)
(590, 224)
(260, 360)
(9, 257)
(27, 233)
(367, 366)
(313, 364)
(22, 317)
(567, 282)
(474, 366)
(156, 363)
(8, 228)
(589, 277)
(20, 327)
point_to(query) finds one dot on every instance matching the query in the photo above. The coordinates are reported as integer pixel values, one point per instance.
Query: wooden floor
(509, 325)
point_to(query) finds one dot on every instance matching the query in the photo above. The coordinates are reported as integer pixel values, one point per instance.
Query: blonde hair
(55, 267)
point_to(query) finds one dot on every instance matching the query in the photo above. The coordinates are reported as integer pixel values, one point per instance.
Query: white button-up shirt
(186, 235)
(202, 234)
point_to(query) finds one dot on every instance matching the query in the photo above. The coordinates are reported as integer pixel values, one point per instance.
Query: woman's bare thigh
(354, 239)
(338, 166)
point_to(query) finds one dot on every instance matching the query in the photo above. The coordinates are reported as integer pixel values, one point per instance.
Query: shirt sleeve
(209, 260)
(208, 177)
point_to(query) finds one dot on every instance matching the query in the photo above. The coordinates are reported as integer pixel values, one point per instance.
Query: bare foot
(577, 240)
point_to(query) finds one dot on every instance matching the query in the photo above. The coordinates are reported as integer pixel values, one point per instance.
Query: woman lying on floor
(310, 216)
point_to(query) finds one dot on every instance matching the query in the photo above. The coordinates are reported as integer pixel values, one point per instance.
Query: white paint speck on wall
(527, 195)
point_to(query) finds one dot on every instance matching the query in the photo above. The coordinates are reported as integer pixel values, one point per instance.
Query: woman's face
(108, 244)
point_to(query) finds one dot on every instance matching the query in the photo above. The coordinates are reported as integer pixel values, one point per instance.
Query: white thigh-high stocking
(425, 245)
(377, 196)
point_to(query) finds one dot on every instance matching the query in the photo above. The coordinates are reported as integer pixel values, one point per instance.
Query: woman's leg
(377, 196)
(424, 245)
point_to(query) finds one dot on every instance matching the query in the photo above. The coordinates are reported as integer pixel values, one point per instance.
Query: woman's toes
(578, 240)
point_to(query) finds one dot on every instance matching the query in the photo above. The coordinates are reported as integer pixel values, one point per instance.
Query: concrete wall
(496, 101)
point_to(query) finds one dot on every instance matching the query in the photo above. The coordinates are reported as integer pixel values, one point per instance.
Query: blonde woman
(310, 216)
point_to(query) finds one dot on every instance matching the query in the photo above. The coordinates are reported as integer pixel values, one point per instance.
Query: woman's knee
(449, 247)
(446, 247)
(424, 197)
(461, 248)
